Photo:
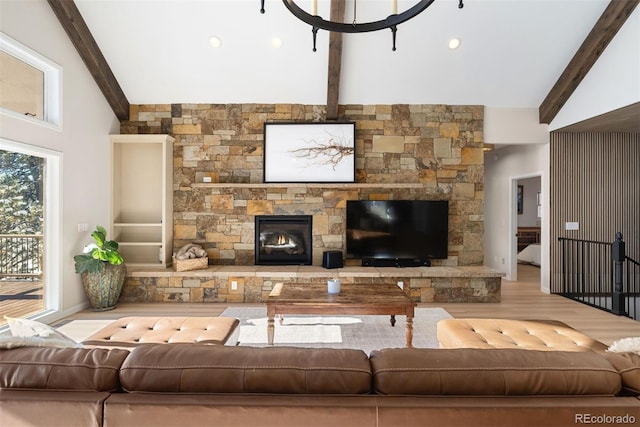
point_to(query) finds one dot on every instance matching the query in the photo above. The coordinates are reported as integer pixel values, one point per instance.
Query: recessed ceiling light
(215, 41)
(276, 42)
(454, 43)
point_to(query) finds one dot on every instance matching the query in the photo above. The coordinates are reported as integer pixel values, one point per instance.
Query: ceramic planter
(103, 289)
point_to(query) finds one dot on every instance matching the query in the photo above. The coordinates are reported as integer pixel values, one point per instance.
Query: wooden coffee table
(312, 298)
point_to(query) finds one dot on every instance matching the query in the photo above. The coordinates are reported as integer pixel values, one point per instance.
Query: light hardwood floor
(521, 299)
(19, 298)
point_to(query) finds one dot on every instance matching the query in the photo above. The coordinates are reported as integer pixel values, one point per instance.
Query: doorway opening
(526, 227)
(30, 222)
(22, 253)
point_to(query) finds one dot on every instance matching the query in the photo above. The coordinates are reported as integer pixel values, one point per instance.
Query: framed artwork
(520, 197)
(309, 152)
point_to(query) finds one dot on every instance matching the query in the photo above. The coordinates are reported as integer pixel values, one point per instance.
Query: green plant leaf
(96, 254)
(110, 245)
(87, 263)
(114, 258)
(99, 254)
(100, 235)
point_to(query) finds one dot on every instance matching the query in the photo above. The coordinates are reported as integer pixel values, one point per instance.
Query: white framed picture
(309, 152)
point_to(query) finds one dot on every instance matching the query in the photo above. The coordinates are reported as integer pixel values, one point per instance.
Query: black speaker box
(332, 259)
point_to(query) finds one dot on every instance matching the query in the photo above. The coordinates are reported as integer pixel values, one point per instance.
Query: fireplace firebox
(284, 240)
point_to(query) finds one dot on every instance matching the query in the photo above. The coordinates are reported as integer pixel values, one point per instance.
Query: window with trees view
(22, 210)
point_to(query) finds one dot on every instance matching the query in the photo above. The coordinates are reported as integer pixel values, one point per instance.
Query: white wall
(529, 216)
(613, 81)
(502, 169)
(513, 126)
(83, 141)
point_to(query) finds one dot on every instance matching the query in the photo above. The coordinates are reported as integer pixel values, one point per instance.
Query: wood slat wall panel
(595, 182)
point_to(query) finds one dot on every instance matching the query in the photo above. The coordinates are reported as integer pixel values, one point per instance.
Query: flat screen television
(397, 232)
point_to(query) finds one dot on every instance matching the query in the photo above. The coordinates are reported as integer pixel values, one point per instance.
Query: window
(22, 87)
(31, 85)
(30, 188)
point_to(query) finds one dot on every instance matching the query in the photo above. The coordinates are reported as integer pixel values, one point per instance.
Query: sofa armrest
(61, 368)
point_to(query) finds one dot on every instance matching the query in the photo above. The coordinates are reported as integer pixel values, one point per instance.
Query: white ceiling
(512, 51)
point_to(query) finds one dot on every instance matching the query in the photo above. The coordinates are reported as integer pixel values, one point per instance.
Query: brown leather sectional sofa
(198, 385)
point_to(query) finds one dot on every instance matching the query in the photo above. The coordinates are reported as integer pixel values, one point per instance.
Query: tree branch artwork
(330, 152)
(309, 152)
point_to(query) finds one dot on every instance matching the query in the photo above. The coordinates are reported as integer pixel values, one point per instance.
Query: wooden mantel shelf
(306, 185)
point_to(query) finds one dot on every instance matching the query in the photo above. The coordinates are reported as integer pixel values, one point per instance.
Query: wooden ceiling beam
(335, 61)
(77, 30)
(610, 22)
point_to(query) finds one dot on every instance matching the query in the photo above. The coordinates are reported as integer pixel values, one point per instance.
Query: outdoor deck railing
(21, 256)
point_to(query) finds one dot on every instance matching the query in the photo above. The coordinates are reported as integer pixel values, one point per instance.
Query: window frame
(52, 102)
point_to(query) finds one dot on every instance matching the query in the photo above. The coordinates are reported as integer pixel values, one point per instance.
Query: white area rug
(350, 331)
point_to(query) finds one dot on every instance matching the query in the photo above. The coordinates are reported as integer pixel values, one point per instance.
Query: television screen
(397, 229)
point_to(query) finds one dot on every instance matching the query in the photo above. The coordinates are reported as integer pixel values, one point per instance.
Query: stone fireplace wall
(402, 152)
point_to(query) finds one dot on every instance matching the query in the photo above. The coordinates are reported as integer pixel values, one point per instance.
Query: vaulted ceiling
(512, 52)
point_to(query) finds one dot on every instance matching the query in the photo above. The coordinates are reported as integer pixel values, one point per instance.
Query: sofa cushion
(135, 330)
(492, 372)
(543, 335)
(628, 365)
(193, 368)
(61, 368)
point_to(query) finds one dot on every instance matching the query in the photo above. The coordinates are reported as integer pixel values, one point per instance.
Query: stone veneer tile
(320, 224)
(388, 144)
(472, 156)
(464, 190)
(442, 148)
(191, 283)
(184, 232)
(187, 129)
(449, 130)
(260, 207)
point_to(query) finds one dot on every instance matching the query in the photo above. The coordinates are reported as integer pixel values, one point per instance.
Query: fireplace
(284, 240)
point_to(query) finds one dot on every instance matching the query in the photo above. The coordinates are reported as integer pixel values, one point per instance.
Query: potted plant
(102, 270)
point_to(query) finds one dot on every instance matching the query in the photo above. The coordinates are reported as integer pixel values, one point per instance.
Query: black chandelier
(390, 22)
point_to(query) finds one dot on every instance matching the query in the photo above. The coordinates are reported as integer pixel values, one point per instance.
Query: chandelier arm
(394, 30)
(340, 27)
(314, 30)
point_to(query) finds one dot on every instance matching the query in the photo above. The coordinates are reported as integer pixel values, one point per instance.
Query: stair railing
(601, 275)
